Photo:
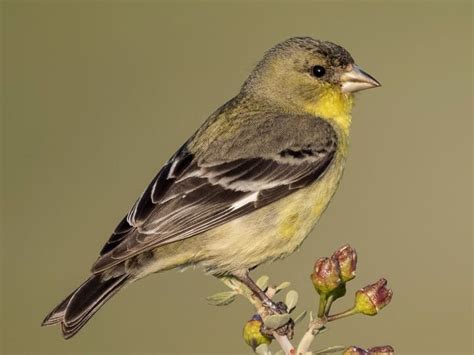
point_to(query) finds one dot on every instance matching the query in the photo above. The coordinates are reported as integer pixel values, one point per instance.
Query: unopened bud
(346, 256)
(252, 335)
(326, 275)
(355, 350)
(382, 350)
(372, 298)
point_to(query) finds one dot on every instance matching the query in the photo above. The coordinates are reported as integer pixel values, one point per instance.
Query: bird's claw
(278, 308)
(275, 308)
(287, 329)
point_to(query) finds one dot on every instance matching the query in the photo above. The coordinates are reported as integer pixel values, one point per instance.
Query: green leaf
(282, 286)
(300, 317)
(330, 350)
(262, 282)
(262, 349)
(291, 300)
(275, 321)
(221, 298)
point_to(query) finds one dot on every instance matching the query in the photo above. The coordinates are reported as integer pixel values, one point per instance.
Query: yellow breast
(334, 106)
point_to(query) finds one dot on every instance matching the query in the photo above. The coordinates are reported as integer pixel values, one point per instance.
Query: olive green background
(97, 95)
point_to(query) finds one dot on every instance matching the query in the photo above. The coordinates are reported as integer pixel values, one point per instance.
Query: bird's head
(305, 74)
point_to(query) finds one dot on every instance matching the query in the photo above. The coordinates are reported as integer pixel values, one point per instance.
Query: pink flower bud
(355, 350)
(382, 350)
(347, 259)
(326, 275)
(372, 298)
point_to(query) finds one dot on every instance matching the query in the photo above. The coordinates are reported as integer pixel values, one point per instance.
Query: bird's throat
(334, 106)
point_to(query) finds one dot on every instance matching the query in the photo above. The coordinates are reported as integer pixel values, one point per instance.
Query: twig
(322, 305)
(243, 290)
(344, 314)
(330, 300)
(329, 279)
(315, 326)
(284, 343)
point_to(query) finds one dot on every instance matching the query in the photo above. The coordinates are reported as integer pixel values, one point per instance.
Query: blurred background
(97, 95)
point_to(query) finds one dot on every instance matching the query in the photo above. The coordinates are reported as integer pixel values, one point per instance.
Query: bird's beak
(355, 79)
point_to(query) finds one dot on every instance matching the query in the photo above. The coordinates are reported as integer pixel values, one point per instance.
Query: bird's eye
(318, 71)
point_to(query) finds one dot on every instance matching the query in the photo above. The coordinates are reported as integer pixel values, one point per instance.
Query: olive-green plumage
(247, 187)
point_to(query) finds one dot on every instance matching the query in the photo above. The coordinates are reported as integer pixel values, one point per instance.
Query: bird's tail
(74, 312)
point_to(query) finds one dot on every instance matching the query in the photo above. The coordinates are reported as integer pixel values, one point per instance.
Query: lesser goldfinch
(246, 188)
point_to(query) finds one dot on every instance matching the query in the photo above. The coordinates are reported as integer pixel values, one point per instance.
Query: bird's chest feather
(299, 214)
(271, 232)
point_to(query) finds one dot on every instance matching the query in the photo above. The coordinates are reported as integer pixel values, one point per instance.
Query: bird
(246, 188)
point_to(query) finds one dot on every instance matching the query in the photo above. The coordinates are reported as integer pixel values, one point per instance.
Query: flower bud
(346, 256)
(372, 298)
(326, 275)
(384, 349)
(355, 350)
(252, 335)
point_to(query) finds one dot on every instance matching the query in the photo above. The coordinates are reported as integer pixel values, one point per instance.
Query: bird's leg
(273, 308)
(269, 306)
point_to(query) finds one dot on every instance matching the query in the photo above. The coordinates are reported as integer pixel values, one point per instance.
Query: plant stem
(314, 328)
(344, 314)
(322, 305)
(330, 300)
(284, 343)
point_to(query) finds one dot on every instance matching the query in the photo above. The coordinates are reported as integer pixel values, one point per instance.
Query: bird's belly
(269, 233)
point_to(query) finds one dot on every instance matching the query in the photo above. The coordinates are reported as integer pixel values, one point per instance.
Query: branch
(243, 290)
(330, 276)
(315, 326)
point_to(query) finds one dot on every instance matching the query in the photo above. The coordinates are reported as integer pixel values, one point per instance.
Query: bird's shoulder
(243, 129)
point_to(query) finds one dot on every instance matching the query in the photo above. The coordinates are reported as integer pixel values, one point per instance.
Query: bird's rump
(189, 197)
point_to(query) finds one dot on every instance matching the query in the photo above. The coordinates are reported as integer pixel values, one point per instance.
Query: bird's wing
(189, 197)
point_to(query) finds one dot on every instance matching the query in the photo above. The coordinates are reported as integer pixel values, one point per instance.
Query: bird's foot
(272, 308)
